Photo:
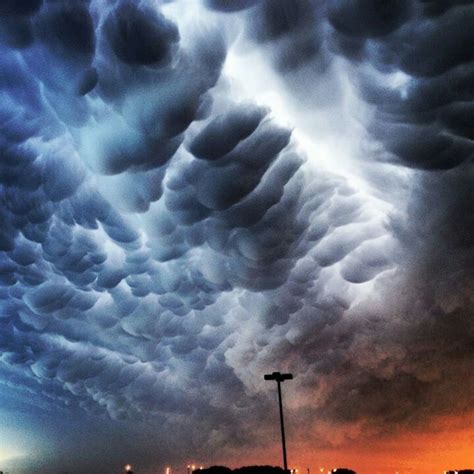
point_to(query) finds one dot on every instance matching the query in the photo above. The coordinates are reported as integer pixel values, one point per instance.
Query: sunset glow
(236, 232)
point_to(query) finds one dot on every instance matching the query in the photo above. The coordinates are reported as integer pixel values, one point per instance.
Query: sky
(194, 193)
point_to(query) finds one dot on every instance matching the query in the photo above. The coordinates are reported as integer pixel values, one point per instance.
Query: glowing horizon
(196, 193)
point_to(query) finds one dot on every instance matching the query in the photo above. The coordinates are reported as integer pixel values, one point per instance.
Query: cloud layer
(165, 242)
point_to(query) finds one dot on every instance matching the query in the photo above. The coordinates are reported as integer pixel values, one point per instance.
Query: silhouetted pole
(280, 378)
(282, 423)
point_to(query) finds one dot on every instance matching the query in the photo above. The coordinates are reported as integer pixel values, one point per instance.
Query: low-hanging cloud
(164, 242)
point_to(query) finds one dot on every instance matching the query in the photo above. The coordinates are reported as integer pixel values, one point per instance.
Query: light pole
(280, 378)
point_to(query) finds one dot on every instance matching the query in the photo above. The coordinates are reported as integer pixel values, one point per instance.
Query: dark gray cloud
(165, 242)
(140, 37)
(292, 31)
(367, 19)
(388, 37)
(230, 5)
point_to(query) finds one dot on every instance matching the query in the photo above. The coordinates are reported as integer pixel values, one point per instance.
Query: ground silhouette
(242, 470)
(258, 470)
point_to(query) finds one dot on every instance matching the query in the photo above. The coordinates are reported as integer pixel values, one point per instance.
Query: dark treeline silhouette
(258, 470)
(214, 470)
(241, 470)
(461, 471)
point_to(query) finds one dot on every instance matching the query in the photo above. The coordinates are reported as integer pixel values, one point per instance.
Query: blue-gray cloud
(163, 242)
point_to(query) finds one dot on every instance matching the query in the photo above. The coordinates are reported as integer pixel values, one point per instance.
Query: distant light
(128, 467)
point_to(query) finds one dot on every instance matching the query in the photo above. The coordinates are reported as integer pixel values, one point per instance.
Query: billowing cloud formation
(164, 242)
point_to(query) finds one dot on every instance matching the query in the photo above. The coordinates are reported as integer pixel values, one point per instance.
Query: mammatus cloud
(165, 242)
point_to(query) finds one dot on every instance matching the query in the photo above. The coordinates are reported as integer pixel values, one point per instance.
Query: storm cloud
(169, 234)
